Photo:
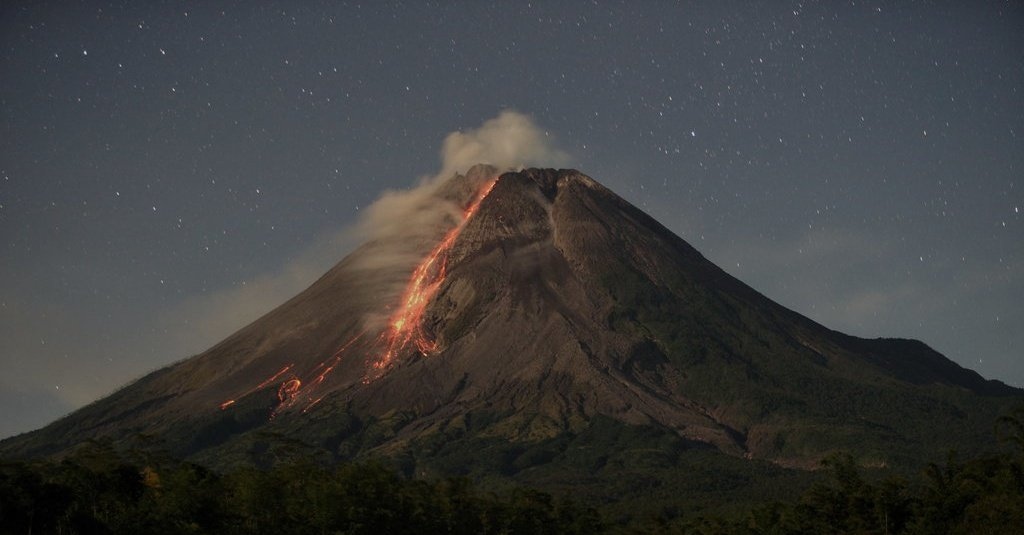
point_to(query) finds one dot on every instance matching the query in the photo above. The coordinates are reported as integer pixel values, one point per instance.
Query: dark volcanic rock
(563, 305)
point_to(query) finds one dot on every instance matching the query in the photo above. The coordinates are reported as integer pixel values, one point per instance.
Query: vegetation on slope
(97, 490)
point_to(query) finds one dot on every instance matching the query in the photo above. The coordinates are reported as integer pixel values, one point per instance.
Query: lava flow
(405, 325)
(291, 393)
(293, 389)
(260, 386)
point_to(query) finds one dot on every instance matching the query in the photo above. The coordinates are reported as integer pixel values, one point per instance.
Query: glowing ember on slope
(405, 325)
(311, 404)
(292, 389)
(288, 389)
(305, 392)
(334, 360)
(260, 386)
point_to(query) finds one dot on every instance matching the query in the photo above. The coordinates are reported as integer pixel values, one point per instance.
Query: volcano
(545, 330)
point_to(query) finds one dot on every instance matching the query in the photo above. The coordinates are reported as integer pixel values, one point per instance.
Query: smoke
(409, 216)
(509, 141)
(405, 224)
(402, 225)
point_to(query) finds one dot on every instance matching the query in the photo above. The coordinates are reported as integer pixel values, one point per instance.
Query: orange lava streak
(292, 389)
(289, 389)
(405, 325)
(260, 386)
(334, 360)
(274, 377)
(311, 404)
(287, 393)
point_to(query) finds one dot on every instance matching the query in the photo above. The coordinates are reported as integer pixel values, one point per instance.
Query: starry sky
(170, 171)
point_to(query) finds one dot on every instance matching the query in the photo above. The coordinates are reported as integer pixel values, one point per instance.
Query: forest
(99, 489)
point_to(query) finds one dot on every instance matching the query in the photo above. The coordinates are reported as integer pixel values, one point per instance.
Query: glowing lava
(405, 325)
(289, 389)
(292, 389)
(291, 393)
(260, 386)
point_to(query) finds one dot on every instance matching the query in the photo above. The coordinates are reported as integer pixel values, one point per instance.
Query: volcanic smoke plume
(405, 225)
(415, 216)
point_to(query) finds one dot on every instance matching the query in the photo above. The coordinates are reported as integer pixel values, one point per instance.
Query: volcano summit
(542, 329)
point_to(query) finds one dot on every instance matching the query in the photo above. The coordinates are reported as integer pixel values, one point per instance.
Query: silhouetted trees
(99, 490)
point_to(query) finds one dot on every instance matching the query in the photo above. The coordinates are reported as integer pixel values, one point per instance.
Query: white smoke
(403, 221)
(196, 322)
(405, 224)
(509, 141)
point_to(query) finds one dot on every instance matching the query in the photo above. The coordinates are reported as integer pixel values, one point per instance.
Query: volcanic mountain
(545, 327)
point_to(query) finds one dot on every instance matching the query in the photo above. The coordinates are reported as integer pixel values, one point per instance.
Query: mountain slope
(548, 329)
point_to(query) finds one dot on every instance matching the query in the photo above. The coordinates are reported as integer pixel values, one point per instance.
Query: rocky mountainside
(547, 331)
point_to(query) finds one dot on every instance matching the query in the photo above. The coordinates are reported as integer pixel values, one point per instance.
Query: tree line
(100, 490)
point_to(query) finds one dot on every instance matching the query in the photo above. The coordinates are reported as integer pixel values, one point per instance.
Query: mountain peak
(524, 306)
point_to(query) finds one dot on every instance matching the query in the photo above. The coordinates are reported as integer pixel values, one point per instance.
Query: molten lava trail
(260, 386)
(292, 389)
(406, 325)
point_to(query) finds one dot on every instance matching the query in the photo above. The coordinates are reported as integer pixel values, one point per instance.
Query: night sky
(170, 171)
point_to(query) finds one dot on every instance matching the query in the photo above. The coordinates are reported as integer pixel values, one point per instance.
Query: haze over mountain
(534, 325)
